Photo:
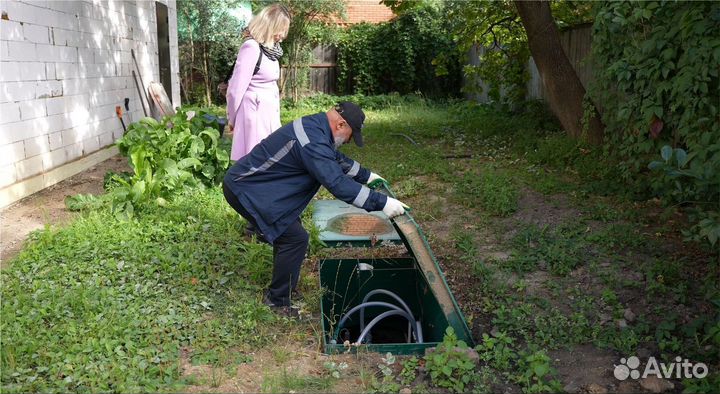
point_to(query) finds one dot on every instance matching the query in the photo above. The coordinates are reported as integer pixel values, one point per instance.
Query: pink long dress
(253, 101)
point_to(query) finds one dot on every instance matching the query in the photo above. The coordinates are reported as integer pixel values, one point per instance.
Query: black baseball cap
(354, 116)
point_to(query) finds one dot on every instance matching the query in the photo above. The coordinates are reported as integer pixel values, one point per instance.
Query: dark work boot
(284, 311)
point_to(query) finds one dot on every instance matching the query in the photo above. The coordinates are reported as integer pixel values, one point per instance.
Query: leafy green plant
(187, 135)
(514, 319)
(556, 250)
(708, 385)
(497, 351)
(684, 182)
(661, 91)
(537, 373)
(335, 369)
(167, 157)
(465, 243)
(625, 341)
(557, 329)
(449, 365)
(409, 371)
(415, 39)
(387, 384)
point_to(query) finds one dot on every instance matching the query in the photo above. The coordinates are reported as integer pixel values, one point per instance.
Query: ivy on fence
(657, 81)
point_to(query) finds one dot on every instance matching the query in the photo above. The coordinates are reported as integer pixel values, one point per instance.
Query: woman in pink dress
(253, 98)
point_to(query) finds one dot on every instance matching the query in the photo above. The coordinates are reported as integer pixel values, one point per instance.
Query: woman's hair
(271, 20)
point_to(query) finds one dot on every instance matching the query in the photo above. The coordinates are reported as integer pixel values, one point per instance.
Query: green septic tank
(417, 280)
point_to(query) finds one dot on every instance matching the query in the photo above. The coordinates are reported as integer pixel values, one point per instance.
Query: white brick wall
(64, 67)
(32, 109)
(10, 112)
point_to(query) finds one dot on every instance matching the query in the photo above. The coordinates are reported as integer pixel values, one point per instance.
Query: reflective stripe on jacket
(280, 175)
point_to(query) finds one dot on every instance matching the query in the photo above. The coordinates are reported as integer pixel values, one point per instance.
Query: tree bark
(206, 73)
(189, 84)
(564, 90)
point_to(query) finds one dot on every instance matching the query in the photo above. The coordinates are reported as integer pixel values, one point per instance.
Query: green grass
(105, 305)
(557, 250)
(492, 190)
(287, 381)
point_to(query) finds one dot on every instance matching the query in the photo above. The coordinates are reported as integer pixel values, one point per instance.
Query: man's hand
(374, 177)
(394, 208)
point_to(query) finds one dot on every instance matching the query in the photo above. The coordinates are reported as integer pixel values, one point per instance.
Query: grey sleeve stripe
(354, 169)
(300, 132)
(270, 161)
(361, 197)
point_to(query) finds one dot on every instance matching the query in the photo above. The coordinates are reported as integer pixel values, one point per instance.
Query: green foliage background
(657, 82)
(209, 39)
(399, 56)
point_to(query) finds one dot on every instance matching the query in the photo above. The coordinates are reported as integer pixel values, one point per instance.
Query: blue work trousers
(288, 253)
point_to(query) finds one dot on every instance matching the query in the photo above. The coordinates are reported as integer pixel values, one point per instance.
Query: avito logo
(630, 368)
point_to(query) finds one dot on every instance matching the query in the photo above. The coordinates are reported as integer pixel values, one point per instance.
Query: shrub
(398, 56)
(659, 84)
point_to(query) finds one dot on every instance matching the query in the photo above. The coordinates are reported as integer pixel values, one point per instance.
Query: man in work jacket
(271, 186)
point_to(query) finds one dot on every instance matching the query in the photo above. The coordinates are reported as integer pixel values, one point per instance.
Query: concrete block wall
(64, 67)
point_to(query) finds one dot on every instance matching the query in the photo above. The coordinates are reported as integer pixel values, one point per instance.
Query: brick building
(370, 11)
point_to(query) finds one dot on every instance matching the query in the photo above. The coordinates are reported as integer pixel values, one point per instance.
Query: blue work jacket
(280, 175)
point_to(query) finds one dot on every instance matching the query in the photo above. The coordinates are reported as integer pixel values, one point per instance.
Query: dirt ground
(47, 207)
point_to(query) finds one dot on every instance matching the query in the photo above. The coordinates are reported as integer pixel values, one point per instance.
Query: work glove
(394, 208)
(374, 177)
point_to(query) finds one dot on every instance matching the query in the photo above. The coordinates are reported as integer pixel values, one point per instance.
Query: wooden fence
(323, 71)
(576, 43)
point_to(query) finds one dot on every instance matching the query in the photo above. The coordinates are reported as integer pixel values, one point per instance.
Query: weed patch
(558, 251)
(490, 189)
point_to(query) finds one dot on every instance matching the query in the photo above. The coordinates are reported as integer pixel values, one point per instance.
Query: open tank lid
(418, 246)
(342, 224)
(406, 231)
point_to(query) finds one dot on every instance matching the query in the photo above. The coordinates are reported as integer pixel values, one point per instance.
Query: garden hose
(363, 306)
(411, 322)
(376, 320)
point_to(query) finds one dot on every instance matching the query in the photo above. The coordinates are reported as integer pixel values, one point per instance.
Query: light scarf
(273, 53)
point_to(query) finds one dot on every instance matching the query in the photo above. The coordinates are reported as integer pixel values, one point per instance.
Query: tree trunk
(189, 86)
(206, 74)
(564, 89)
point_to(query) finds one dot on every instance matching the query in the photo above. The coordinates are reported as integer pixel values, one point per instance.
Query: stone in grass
(604, 318)
(571, 387)
(627, 388)
(629, 315)
(595, 388)
(621, 323)
(656, 385)
(405, 390)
